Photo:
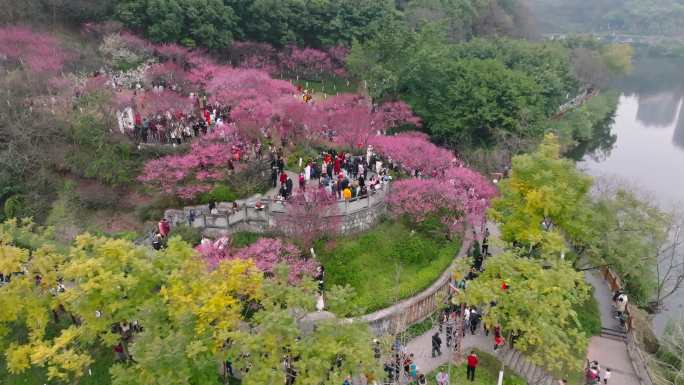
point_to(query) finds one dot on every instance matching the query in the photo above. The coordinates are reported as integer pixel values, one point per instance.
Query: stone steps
(614, 334)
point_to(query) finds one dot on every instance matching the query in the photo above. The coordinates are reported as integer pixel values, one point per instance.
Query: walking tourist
(606, 376)
(472, 365)
(436, 344)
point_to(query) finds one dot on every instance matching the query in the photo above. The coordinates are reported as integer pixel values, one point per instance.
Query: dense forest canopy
(648, 17)
(215, 23)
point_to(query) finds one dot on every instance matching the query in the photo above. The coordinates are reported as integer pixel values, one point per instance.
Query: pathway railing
(355, 215)
(398, 317)
(636, 355)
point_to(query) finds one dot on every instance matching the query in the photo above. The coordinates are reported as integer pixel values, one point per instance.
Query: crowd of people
(341, 174)
(595, 375)
(454, 322)
(172, 126)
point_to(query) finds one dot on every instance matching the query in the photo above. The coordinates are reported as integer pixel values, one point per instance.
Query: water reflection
(678, 135)
(598, 148)
(659, 110)
(649, 148)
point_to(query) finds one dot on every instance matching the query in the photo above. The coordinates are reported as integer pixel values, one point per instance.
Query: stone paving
(609, 352)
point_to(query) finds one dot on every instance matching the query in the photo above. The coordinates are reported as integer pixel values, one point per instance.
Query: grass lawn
(330, 86)
(385, 264)
(487, 372)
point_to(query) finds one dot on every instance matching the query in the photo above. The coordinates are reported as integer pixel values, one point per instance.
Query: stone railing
(635, 353)
(354, 216)
(401, 315)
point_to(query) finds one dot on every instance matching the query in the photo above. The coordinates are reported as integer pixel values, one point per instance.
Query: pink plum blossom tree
(210, 160)
(414, 151)
(266, 253)
(310, 216)
(151, 103)
(36, 51)
(461, 197)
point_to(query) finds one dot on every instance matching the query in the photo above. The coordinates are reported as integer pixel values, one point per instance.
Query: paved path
(421, 346)
(608, 351)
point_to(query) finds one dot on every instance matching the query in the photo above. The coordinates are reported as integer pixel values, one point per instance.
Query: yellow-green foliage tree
(537, 305)
(544, 199)
(175, 319)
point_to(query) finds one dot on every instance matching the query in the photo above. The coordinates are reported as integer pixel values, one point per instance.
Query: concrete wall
(354, 216)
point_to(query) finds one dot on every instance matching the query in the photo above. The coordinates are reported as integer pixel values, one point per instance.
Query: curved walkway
(421, 346)
(610, 348)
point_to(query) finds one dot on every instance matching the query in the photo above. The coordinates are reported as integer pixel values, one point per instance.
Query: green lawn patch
(386, 264)
(245, 238)
(330, 86)
(487, 372)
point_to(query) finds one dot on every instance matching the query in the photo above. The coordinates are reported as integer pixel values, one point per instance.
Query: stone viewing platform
(356, 215)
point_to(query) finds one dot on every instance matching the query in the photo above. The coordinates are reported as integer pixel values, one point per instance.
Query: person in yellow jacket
(347, 194)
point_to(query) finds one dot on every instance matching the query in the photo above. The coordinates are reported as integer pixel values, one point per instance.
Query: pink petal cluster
(414, 151)
(308, 63)
(169, 72)
(261, 56)
(151, 103)
(210, 160)
(36, 51)
(461, 195)
(266, 253)
(136, 43)
(172, 52)
(310, 216)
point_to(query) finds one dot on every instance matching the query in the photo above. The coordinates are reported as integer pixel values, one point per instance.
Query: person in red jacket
(472, 365)
(337, 166)
(164, 227)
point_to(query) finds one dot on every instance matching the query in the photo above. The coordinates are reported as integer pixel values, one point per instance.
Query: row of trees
(547, 206)
(214, 24)
(555, 221)
(172, 319)
(482, 92)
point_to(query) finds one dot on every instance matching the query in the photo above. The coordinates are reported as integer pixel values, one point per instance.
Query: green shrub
(414, 249)
(190, 235)
(220, 193)
(14, 207)
(252, 180)
(304, 152)
(155, 210)
(385, 264)
(431, 226)
(589, 316)
(244, 238)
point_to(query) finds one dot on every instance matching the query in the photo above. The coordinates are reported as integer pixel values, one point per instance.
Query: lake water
(647, 137)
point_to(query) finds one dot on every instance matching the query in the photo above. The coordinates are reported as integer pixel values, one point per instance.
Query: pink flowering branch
(310, 216)
(36, 51)
(266, 253)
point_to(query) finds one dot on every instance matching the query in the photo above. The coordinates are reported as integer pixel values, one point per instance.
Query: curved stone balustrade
(357, 215)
